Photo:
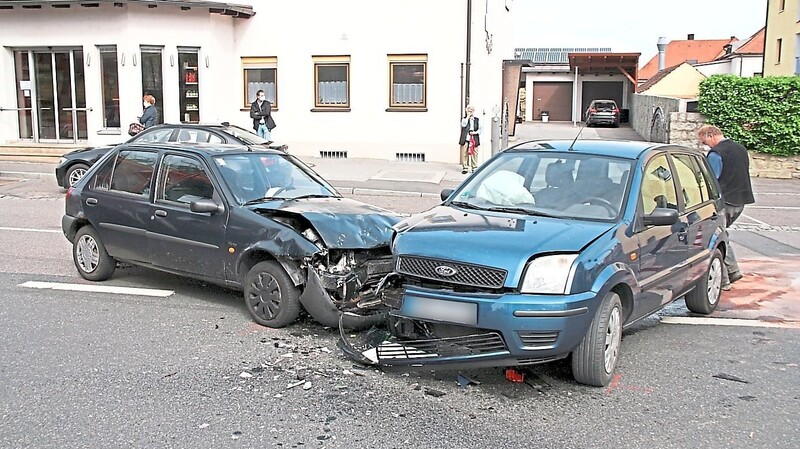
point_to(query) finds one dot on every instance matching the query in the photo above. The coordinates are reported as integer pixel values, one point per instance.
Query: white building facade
(347, 78)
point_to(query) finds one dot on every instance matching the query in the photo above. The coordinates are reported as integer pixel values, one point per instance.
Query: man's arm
(715, 161)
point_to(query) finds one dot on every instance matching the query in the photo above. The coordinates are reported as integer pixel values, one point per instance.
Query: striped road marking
(726, 322)
(98, 289)
(57, 231)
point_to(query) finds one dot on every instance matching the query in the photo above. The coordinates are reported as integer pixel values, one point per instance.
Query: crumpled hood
(341, 222)
(492, 239)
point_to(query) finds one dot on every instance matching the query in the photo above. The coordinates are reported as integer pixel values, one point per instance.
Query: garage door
(555, 98)
(601, 90)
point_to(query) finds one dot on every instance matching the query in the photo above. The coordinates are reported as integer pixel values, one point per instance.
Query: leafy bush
(763, 114)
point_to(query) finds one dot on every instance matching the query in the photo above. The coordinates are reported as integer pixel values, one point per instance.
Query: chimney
(662, 53)
(690, 37)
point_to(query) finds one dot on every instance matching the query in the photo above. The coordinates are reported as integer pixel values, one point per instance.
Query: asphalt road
(82, 369)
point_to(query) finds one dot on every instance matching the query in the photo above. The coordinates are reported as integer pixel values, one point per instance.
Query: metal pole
(575, 109)
(469, 51)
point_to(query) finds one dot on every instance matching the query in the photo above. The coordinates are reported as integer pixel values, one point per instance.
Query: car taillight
(616, 111)
(592, 110)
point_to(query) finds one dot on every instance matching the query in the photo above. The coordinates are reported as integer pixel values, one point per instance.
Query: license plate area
(440, 310)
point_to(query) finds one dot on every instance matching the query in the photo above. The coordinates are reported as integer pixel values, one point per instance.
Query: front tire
(270, 295)
(596, 357)
(90, 256)
(704, 297)
(74, 174)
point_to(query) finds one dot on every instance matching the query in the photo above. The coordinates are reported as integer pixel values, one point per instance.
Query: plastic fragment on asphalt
(296, 384)
(245, 375)
(464, 381)
(434, 393)
(730, 377)
(307, 386)
(515, 376)
(204, 425)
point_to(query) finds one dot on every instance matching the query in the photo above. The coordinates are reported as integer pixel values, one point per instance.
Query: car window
(244, 136)
(605, 105)
(155, 135)
(658, 185)
(708, 177)
(182, 180)
(191, 135)
(131, 172)
(693, 186)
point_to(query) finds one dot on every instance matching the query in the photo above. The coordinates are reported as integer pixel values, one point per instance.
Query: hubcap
(76, 175)
(87, 253)
(265, 296)
(714, 281)
(613, 337)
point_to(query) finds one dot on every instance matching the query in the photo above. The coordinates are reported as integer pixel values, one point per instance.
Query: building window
(407, 75)
(778, 50)
(153, 77)
(781, 5)
(332, 82)
(110, 81)
(189, 84)
(260, 74)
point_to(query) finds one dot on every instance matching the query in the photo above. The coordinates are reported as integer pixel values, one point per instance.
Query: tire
(596, 357)
(90, 256)
(704, 297)
(74, 174)
(270, 296)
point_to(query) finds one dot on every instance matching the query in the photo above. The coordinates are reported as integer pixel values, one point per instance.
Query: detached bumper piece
(440, 350)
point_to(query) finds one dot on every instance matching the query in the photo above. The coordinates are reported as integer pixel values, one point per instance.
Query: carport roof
(224, 8)
(606, 63)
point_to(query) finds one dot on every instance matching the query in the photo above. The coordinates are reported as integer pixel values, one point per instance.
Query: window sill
(110, 132)
(330, 109)
(406, 109)
(247, 109)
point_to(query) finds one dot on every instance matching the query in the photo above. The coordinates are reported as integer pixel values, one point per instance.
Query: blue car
(550, 250)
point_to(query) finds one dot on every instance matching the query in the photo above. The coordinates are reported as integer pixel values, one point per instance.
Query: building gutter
(766, 35)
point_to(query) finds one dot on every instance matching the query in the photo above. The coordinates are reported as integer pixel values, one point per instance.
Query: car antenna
(576, 138)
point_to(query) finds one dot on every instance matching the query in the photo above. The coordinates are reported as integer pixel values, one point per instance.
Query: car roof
(207, 149)
(628, 149)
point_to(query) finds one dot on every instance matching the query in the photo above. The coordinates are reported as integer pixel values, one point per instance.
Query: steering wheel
(596, 200)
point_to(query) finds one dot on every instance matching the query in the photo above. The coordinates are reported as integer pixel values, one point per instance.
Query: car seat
(558, 194)
(184, 136)
(593, 181)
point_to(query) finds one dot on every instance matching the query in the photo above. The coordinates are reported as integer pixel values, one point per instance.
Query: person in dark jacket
(731, 166)
(261, 113)
(150, 115)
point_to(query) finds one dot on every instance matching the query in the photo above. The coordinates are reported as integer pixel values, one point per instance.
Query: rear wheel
(90, 256)
(705, 295)
(74, 174)
(596, 357)
(270, 295)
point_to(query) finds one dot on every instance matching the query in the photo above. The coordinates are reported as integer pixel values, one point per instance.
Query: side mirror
(205, 205)
(446, 194)
(661, 217)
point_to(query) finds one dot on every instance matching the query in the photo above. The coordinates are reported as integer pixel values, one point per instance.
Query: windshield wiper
(520, 210)
(314, 195)
(262, 200)
(466, 205)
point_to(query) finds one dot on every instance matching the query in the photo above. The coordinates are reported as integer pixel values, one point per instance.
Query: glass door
(152, 78)
(60, 95)
(24, 89)
(189, 86)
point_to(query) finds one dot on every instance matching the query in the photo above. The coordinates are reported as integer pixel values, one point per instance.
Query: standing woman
(150, 115)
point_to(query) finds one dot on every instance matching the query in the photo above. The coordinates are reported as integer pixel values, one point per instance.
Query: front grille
(532, 338)
(466, 345)
(464, 274)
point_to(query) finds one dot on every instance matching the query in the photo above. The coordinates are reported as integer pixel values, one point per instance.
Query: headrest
(558, 174)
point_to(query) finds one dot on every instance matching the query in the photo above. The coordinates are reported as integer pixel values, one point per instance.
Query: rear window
(605, 105)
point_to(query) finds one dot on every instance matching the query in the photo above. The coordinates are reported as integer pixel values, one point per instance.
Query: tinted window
(156, 135)
(133, 171)
(183, 180)
(246, 137)
(658, 187)
(605, 105)
(191, 135)
(693, 186)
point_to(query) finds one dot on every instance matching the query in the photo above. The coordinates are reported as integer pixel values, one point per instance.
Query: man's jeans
(732, 266)
(263, 132)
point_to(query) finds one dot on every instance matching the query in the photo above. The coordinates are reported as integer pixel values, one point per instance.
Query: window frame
(161, 184)
(778, 50)
(645, 166)
(331, 61)
(112, 166)
(408, 60)
(269, 63)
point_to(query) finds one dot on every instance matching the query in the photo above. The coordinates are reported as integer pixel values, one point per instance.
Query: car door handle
(161, 213)
(91, 201)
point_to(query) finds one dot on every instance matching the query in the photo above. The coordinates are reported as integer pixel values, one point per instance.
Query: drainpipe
(469, 52)
(461, 113)
(766, 35)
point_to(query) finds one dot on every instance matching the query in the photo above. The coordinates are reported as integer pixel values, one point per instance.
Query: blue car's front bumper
(510, 329)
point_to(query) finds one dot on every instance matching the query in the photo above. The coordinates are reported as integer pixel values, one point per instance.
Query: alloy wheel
(613, 338)
(714, 281)
(88, 254)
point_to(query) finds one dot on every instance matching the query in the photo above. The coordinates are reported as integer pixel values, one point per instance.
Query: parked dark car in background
(550, 250)
(248, 218)
(73, 165)
(603, 112)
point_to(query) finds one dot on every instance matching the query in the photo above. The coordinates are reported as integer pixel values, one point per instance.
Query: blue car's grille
(452, 272)
(466, 345)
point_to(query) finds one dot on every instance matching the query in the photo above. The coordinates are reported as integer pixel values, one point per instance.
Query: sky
(632, 26)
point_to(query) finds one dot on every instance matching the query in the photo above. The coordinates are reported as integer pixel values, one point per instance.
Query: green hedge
(763, 114)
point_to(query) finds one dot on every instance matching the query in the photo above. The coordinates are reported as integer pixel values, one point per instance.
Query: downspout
(469, 52)
(575, 109)
(461, 114)
(766, 35)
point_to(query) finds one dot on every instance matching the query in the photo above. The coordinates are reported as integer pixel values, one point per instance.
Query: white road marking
(99, 289)
(774, 207)
(55, 231)
(757, 221)
(725, 322)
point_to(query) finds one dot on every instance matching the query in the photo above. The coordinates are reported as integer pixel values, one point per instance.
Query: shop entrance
(51, 95)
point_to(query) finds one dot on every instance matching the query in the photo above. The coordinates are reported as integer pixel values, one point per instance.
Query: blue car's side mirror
(446, 194)
(661, 216)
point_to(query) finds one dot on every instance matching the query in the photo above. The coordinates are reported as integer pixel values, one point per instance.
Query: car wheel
(74, 174)
(270, 296)
(596, 357)
(90, 256)
(705, 295)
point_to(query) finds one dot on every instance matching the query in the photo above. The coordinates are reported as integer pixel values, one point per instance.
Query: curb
(341, 189)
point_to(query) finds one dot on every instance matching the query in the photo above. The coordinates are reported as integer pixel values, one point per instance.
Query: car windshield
(257, 177)
(556, 184)
(247, 137)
